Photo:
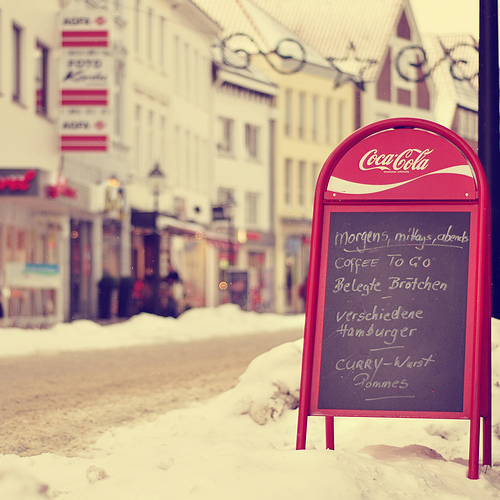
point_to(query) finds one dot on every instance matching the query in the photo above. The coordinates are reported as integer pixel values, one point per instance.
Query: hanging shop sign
(400, 236)
(85, 131)
(86, 28)
(19, 182)
(85, 78)
(86, 72)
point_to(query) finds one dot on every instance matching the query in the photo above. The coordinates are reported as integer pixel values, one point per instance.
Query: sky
(241, 444)
(446, 16)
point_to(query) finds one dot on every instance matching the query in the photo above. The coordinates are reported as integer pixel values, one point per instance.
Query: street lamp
(157, 182)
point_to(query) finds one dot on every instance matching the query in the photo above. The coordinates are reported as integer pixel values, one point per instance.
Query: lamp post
(230, 207)
(157, 180)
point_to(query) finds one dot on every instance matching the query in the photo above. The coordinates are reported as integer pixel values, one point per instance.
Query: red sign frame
(406, 166)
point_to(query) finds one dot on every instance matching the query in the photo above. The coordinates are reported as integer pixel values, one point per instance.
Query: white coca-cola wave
(348, 187)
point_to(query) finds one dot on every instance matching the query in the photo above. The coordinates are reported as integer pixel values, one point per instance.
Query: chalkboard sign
(393, 334)
(398, 312)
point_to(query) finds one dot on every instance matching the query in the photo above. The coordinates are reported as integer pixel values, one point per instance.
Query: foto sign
(398, 311)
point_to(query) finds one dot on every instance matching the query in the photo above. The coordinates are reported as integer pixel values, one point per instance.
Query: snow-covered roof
(352, 32)
(252, 29)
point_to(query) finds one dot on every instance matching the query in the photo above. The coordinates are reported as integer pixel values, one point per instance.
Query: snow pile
(263, 397)
(144, 329)
(241, 444)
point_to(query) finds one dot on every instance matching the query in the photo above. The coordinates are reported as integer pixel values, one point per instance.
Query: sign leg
(301, 430)
(474, 448)
(487, 441)
(330, 444)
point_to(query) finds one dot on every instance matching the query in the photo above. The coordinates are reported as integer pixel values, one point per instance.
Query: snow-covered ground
(241, 445)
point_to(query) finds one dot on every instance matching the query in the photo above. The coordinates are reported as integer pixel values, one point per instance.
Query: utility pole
(488, 141)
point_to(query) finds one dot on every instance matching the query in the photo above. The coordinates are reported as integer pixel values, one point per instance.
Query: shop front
(245, 275)
(168, 254)
(31, 252)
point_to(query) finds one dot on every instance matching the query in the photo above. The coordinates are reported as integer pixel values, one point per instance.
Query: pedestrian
(174, 293)
(138, 295)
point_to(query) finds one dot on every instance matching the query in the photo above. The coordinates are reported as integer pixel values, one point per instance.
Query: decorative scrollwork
(286, 49)
(404, 61)
(411, 62)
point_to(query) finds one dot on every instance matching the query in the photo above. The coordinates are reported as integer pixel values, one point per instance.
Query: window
(340, 121)
(404, 97)
(196, 77)
(137, 27)
(288, 181)
(288, 113)
(196, 164)
(177, 64)
(302, 114)
(315, 174)
(251, 208)
(150, 151)
(384, 80)
(302, 182)
(138, 142)
(252, 141)
(177, 142)
(187, 69)
(467, 124)
(41, 82)
(225, 196)
(188, 149)
(315, 118)
(226, 139)
(328, 121)
(403, 29)
(423, 95)
(150, 35)
(118, 98)
(163, 140)
(16, 58)
(161, 45)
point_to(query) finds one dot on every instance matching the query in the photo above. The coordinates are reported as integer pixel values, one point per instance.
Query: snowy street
(60, 403)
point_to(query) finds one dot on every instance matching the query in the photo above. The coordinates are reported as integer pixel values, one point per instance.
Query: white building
(73, 168)
(243, 179)
(170, 124)
(36, 205)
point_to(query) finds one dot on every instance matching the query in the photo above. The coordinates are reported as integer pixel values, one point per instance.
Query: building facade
(170, 117)
(38, 202)
(245, 109)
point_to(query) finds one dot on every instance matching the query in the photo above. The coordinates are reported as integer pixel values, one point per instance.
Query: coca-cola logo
(409, 159)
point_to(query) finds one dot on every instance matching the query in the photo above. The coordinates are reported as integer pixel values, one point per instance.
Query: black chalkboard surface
(395, 306)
